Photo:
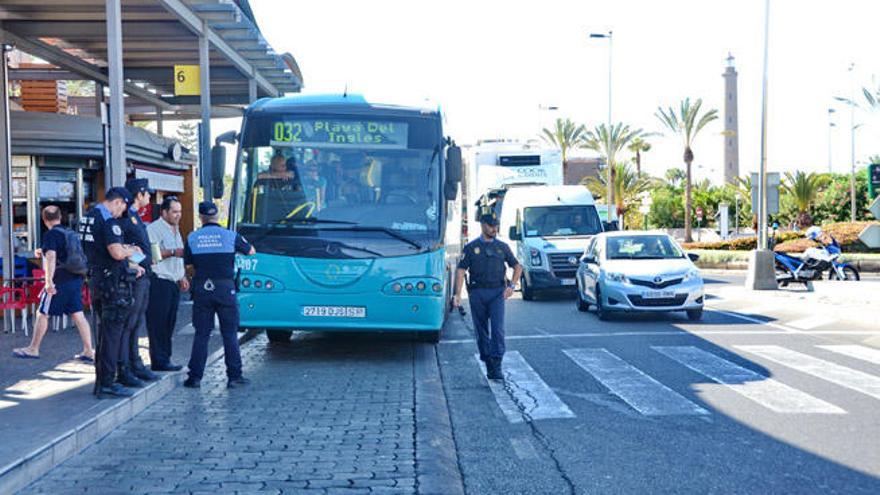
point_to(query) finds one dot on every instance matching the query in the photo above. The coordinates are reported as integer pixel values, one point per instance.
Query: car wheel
(582, 305)
(600, 307)
(527, 293)
(695, 314)
(278, 336)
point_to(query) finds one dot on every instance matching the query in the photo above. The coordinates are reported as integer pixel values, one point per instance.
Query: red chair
(13, 298)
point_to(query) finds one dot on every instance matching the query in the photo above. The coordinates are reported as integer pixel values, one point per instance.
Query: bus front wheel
(431, 337)
(278, 336)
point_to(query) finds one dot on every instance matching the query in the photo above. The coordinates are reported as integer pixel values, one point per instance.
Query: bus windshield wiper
(384, 230)
(312, 220)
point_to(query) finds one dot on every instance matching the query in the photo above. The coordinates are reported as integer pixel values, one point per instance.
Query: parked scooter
(827, 257)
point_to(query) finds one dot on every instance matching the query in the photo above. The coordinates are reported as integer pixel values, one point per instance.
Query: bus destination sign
(334, 133)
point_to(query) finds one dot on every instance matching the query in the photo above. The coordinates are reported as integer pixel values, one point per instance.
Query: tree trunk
(688, 237)
(638, 164)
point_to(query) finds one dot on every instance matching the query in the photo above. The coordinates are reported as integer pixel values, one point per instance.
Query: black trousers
(134, 325)
(162, 318)
(110, 322)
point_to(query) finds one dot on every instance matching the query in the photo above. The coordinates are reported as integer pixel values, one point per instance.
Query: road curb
(436, 456)
(30, 467)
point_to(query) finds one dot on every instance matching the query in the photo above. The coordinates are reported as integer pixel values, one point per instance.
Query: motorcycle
(828, 257)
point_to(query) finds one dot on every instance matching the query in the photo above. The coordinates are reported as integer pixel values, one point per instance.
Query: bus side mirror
(218, 167)
(453, 172)
(514, 235)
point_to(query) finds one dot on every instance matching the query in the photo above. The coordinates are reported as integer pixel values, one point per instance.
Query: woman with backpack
(64, 265)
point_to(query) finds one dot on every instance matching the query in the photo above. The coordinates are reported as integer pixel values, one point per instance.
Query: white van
(548, 228)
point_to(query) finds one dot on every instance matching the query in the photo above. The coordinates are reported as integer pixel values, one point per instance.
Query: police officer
(484, 259)
(131, 367)
(111, 278)
(211, 250)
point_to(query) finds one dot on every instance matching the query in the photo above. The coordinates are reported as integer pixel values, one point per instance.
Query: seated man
(277, 169)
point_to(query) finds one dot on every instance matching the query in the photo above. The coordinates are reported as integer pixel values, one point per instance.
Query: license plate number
(568, 281)
(335, 311)
(658, 294)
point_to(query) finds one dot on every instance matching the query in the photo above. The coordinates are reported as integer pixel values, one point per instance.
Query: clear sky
(491, 64)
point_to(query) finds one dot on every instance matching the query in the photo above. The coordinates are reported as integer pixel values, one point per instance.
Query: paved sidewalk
(43, 399)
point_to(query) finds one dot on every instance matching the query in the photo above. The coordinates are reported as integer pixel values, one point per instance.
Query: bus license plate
(658, 294)
(335, 311)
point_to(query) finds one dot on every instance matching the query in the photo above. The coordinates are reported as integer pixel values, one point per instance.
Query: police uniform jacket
(485, 263)
(98, 229)
(211, 250)
(134, 232)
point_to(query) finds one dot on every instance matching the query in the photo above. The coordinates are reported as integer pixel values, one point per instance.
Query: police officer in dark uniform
(131, 367)
(111, 278)
(211, 250)
(486, 259)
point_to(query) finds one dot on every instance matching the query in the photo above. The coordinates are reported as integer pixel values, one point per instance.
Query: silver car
(631, 271)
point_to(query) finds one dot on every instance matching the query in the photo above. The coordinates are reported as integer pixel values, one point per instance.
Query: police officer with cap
(211, 250)
(131, 367)
(486, 259)
(111, 278)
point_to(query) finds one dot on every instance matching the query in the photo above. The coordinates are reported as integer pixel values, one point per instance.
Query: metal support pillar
(117, 99)
(160, 121)
(8, 235)
(205, 102)
(99, 98)
(252, 90)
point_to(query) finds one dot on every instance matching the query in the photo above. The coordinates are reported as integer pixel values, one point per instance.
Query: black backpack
(76, 262)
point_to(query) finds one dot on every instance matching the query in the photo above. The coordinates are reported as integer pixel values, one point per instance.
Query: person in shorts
(62, 294)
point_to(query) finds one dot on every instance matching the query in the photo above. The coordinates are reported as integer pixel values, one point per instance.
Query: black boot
(125, 377)
(142, 373)
(493, 369)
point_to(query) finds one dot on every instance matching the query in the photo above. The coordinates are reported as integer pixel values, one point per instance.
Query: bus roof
(335, 103)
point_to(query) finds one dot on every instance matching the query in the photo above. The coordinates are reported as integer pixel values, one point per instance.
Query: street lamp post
(852, 142)
(541, 109)
(610, 191)
(831, 126)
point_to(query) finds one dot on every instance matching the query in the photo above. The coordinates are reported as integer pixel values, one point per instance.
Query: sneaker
(113, 391)
(192, 383)
(238, 382)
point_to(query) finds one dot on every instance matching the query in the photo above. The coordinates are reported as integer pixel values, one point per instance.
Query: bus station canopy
(157, 35)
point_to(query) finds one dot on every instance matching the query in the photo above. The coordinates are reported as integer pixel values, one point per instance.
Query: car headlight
(535, 257)
(691, 274)
(616, 277)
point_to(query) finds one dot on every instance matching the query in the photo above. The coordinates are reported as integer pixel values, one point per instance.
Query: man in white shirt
(168, 280)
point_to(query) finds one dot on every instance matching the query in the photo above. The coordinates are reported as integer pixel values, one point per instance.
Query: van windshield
(569, 220)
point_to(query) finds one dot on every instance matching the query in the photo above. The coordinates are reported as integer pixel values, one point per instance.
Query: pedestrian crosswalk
(526, 396)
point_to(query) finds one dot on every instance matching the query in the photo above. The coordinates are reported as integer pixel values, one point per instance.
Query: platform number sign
(186, 80)
(874, 180)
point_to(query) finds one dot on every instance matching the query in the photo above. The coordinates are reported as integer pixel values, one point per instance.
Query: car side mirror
(218, 167)
(693, 257)
(587, 259)
(514, 235)
(609, 226)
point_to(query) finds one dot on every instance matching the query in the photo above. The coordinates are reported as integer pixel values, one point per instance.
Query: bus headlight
(396, 287)
(245, 282)
(258, 284)
(437, 287)
(408, 287)
(420, 286)
(269, 285)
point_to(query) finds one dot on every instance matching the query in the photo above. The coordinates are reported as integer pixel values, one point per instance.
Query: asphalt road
(659, 404)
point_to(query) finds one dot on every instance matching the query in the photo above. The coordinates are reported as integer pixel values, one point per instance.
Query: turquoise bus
(347, 203)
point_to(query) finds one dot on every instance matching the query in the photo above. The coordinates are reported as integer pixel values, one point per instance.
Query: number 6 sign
(186, 80)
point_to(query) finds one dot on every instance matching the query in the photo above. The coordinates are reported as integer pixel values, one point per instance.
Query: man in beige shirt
(168, 280)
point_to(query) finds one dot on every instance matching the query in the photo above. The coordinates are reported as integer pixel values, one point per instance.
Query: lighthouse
(731, 129)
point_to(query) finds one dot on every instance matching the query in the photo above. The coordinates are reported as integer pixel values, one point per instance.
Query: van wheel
(528, 294)
(278, 336)
(582, 306)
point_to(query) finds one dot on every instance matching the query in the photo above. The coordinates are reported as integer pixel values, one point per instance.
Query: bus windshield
(549, 221)
(368, 181)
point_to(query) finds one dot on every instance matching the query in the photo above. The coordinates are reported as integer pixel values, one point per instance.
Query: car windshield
(549, 221)
(642, 247)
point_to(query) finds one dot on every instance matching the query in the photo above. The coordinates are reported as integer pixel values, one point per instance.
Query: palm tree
(638, 146)
(608, 142)
(628, 187)
(687, 124)
(804, 189)
(564, 136)
(674, 176)
(872, 99)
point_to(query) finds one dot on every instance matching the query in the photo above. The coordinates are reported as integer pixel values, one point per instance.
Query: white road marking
(523, 448)
(811, 322)
(855, 351)
(765, 391)
(834, 373)
(645, 394)
(659, 333)
(527, 389)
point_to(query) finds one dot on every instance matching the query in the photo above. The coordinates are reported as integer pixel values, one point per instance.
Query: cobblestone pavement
(325, 414)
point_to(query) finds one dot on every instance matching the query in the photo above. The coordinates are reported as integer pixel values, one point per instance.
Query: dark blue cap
(207, 208)
(489, 219)
(137, 186)
(119, 192)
